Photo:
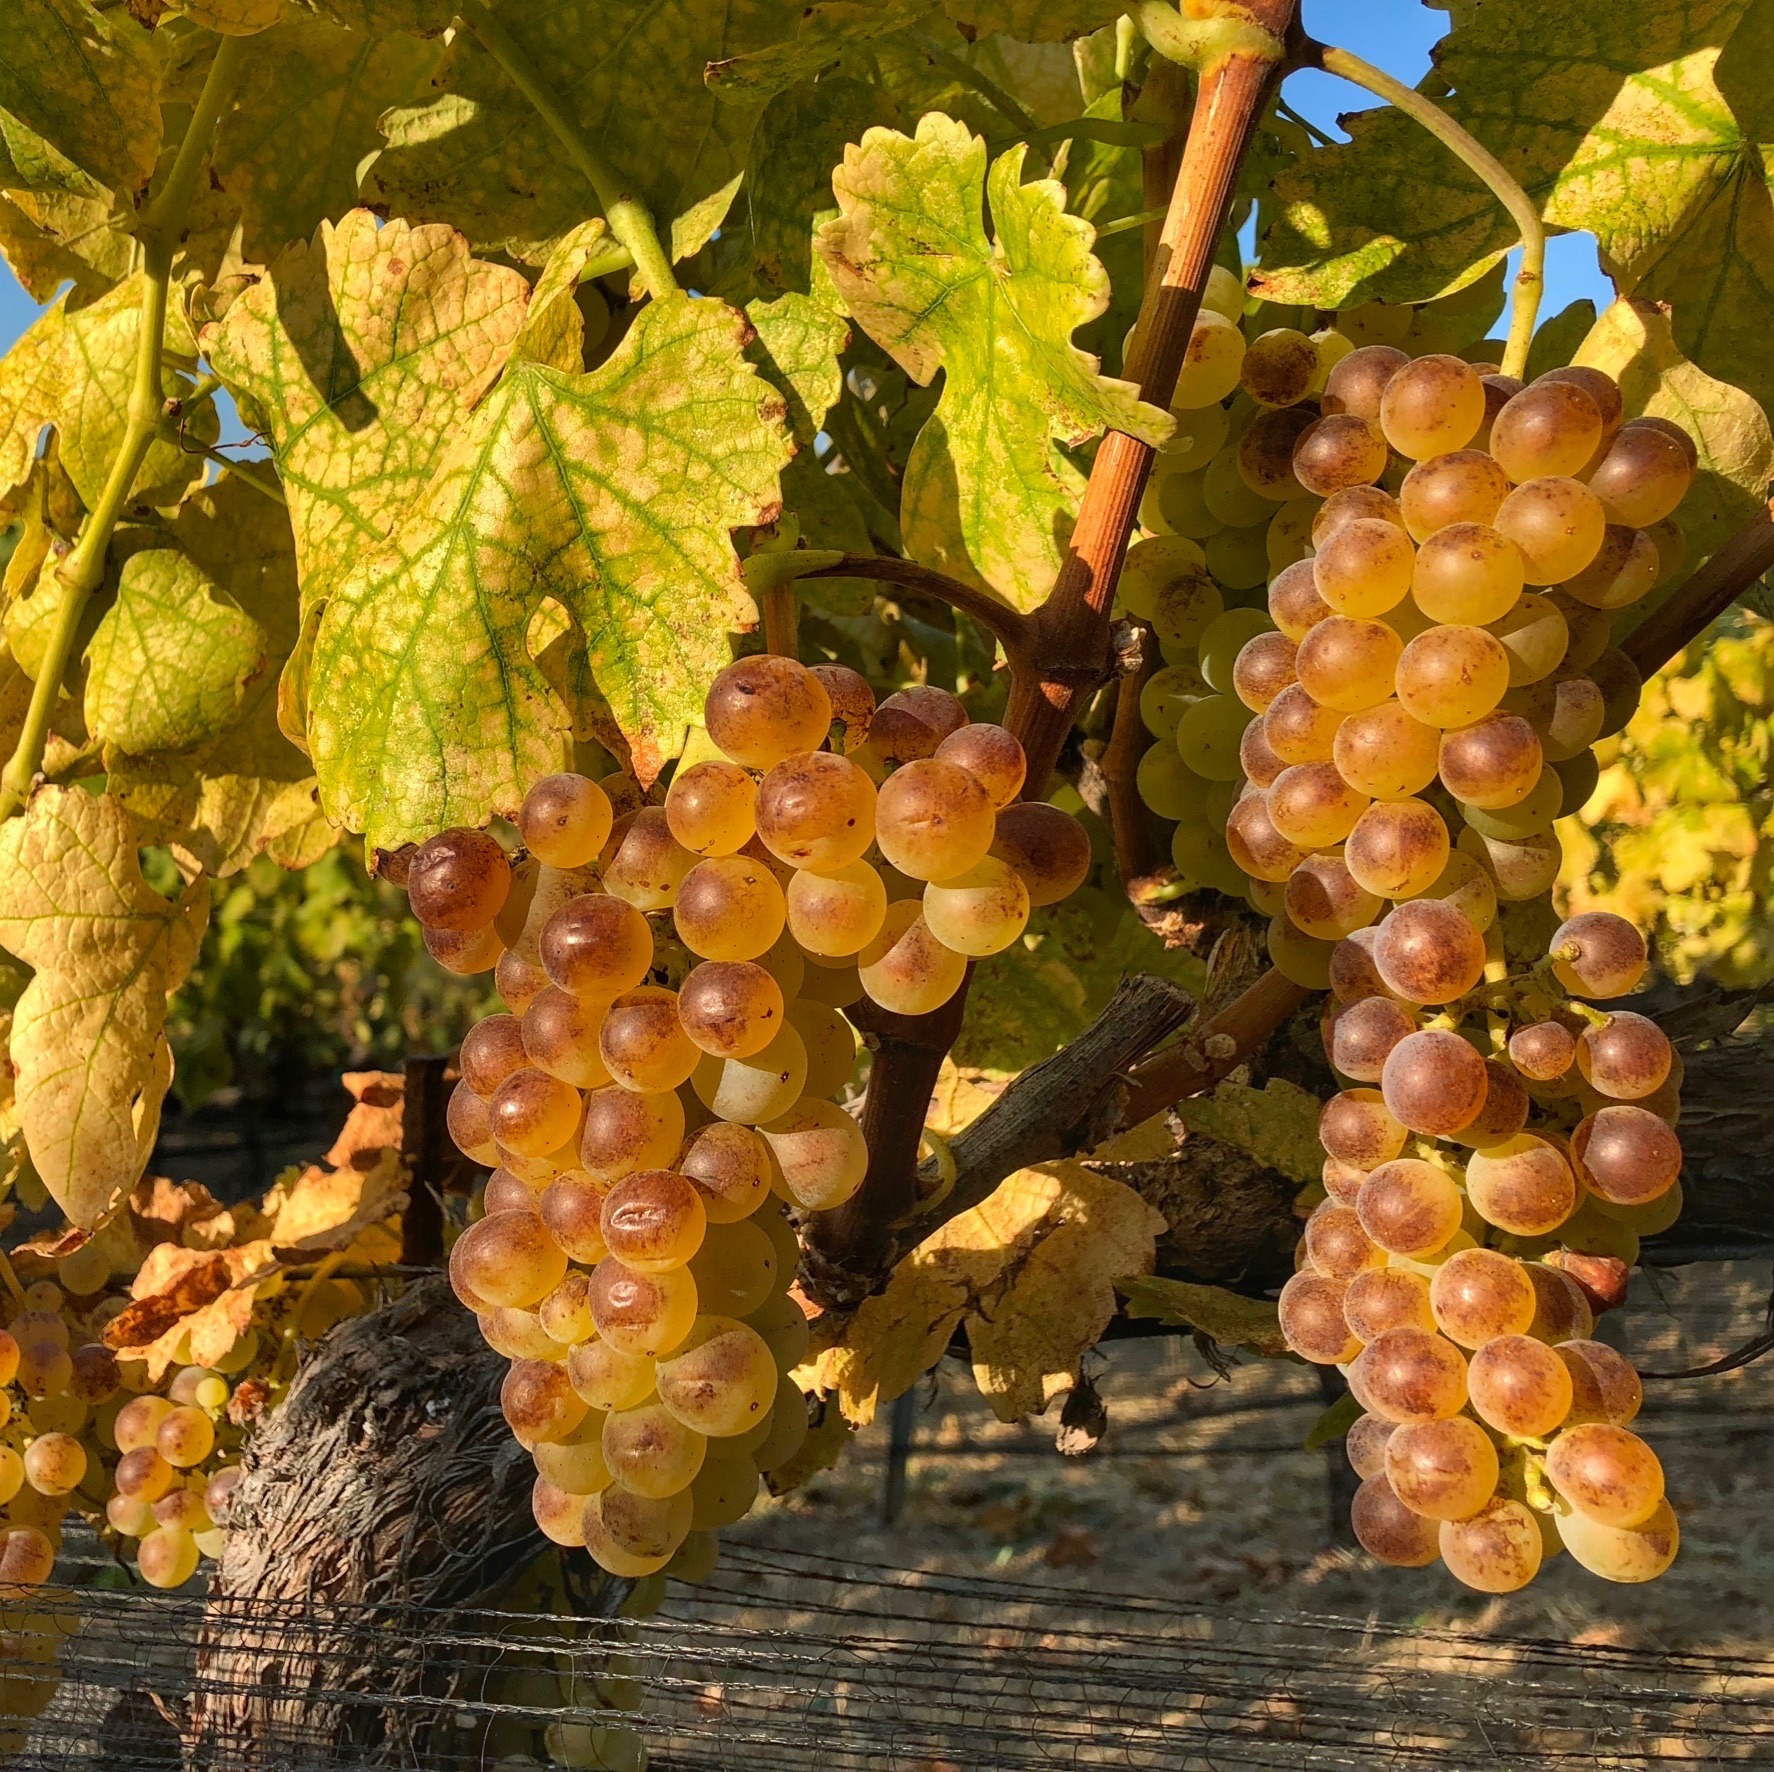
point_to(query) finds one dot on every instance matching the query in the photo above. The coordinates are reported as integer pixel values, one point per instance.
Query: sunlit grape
(1211, 364)
(721, 1381)
(1463, 486)
(1607, 1473)
(1626, 1155)
(1339, 451)
(820, 1151)
(1357, 1127)
(643, 1043)
(1365, 567)
(1478, 1294)
(538, 1401)
(1429, 951)
(1299, 729)
(1493, 763)
(1386, 1298)
(1624, 569)
(933, 820)
(1264, 667)
(1523, 1185)
(508, 1259)
(1294, 603)
(1397, 848)
(1311, 805)
(643, 863)
(596, 946)
(1445, 1469)
(1358, 383)
(1255, 844)
(1604, 1386)
(458, 880)
(1255, 756)
(1311, 1316)
(1543, 1051)
(912, 722)
(1597, 954)
(1497, 1550)
(1364, 1032)
(1324, 899)
(1409, 1375)
(559, 1035)
(645, 1314)
(1409, 1207)
(518, 981)
(1347, 506)
(1431, 405)
(624, 1132)
(1622, 1553)
(757, 1087)
(979, 912)
(633, 1535)
(1388, 1530)
(1433, 1083)
(1519, 1386)
(1626, 1056)
(565, 820)
(762, 709)
(1535, 635)
(1337, 1245)
(1385, 752)
(1464, 883)
(465, 954)
(1467, 573)
(1557, 524)
(650, 1452)
(709, 808)
(1452, 675)
(1348, 664)
(1552, 427)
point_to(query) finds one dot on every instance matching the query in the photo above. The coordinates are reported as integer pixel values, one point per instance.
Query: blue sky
(1396, 35)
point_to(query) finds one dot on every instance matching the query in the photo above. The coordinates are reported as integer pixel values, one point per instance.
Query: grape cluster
(662, 1084)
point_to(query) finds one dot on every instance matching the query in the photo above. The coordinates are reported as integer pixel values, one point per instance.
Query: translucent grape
(1339, 451)
(1597, 954)
(1294, 603)
(1299, 729)
(721, 1381)
(1324, 899)
(912, 722)
(1604, 1386)
(632, 1535)
(991, 755)
(1337, 1245)
(565, 820)
(1397, 848)
(1467, 573)
(1431, 405)
(906, 968)
(1201, 855)
(1496, 1551)
(1535, 635)
(167, 1557)
(1255, 757)
(1358, 383)
(142, 1475)
(1544, 1051)
(491, 1050)
(1364, 1032)
(1409, 1375)
(1346, 506)
(624, 1132)
(643, 1314)
(1557, 524)
(1433, 1083)
(1222, 640)
(1551, 427)
(1625, 568)
(1606, 1473)
(138, 1422)
(55, 1463)
(1385, 752)
(1208, 737)
(1452, 675)
(517, 1335)
(1311, 1315)
(979, 912)
(709, 808)
(758, 1087)
(730, 908)
(533, 1113)
(933, 820)
(1464, 883)
(1357, 1127)
(1626, 1056)
(1519, 1386)
(1296, 955)
(458, 880)
(1645, 474)
(735, 1269)
(1386, 1298)
(1255, 844)
(596, 946)
(1494, 763)
(730, 1008)
(508, 1259)
(820, 1151)
(1409, 1207)
(1388, 1530)
(1478, 1294)
(1365, 1442)
(558, 1513)
(1342, 1181)
(1348, 664)
(518, 981)
(1199, 435)
(1167, 784)
(760, 710)
(1626, 1155)
(650, 1452)
(1264, 667)
(1504, 1113)
(559, 1035)
(643, 862)
(643, 1043)
(465, 954)
(729, 1165)
(1365, 567)
(565, 1314)
(1428, 951)
(653, 1221)
(1622, 1553)
(814, 810)
(1463, 486)
(538, 1401)
(1048, 847)
(1444, 1470)
(1312, 806)
(836, 913)
(606, 1378)
(184, 1438)
(1211, 364)
(1523, 1185)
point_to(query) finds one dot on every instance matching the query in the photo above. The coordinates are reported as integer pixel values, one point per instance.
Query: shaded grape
(1365, 1443)
(1297, 956)
(1535, 635)
(643, 862)
(853, 701)
(464, 954)
(1339, 451)
(458, 880)
(1445, 1470)
(518, 981)
(1464, 883)
(1397, 848)
(1294, 603)
(1048, 847)
(1279, 367)
(820, 1152)
(1324, 899)
(1622, 1553)
(1255, 757)
(1311, 1315)
(1265, 455)
(1604, 1386)
(1645, 474)
(1625, 568)
(735, 1269)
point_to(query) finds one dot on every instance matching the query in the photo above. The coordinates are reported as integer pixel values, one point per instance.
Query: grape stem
(1010, 627)
(1063, 655)
(630, 220)
(1139, 860)
(160, 230)
(1524, 300)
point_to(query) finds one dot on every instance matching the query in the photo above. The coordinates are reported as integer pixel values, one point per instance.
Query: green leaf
(988, 497)
(629, 72)
(1277, 1124)
(1635, 343)
(83, 81)
(288, 151)
(796, 351)
(828, 31)
(1230, 1318)
(1034, 21)
(247, 790)
(29, 163)
(1333, 1424)
(233, 18)
(360, 355)
(88, 1034)
(612, 493)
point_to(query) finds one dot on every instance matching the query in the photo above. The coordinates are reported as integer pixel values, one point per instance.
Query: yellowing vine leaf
(53, 237)
(987, 497)
(30, 375)
(233, 18)
(1230, 1318)
(360, 355)
(88, 1037)
(826, 31)
(612, 492)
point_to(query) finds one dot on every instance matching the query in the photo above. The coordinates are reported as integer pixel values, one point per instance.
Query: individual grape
(1464, 486)
(853, 702)
(559, 1035)
(710, 809)
(1255, 757)
(1167, 785)
(1386, 1298)
(831, 1046)
(814, 810)
(1645, 474)
(1519, 1386)
(1385, 752)
(1365, 568)
(1364, 1032)
(518, 981)
(491, 1050)
(979, 912)
(729, 1165)
(558, 1513)
(1264, 667)
(1222, 640)
(1428, 951)
(1544, 1051)
(1530, 816)
(642, 1314)
(1624, 569)
(1312, 806)
(1597, 954)
(1433, 1083)
(906, 968)
(606, 1378)
(735, 1269)
(1626, 1056)
(1626, 1155)
(1286, 540)
(1499, 390)
(539, 1402)
(596, 946)
(1209, 735)
(1409, 1375)
(1497, 1550)
(1278, 367)
(1505, 1110)
(783, 1325)
(1549, 428)
(1523, 1185)
(138, 1422)
(1598, 385)
(1578, 779)
(55, 1463)
(1300, 730)
(182, 1507)
(1175, 502)
(1467, 573)
(1294, 603)
(143, 1474)
(933, 820)
(1211, 363)
(1589, 633)
(1557, 524)
(624, 1132)
(762, 709)
(992, 756)
(1431, 405)
(565, 820)
(45, 1368)
(1494, 763)
(1397, 848)
(634, 1535)
(1339, 451)
(1357, 1127)
(1342, 1181)
(643, 1043)
(1388, 1530)
(730, 907)
(1324, 900)
(1535, 635)
(1337, 1246)
(533, 1113)
(1563, 1313)
(1311, 1316)
(653, 1221)
(565, 1314)
(1607, 1473)
(837, 914)
(517, 1335)
(722, 1381)
(1409, 1207)
(458, 880)
(1452, 675)
(1048, 847)
(1622, 1553)
(509, 1259)
(912, 722)
(1254, 843)
(1604, 1387)
(186, 1437)
(1168, 692)
(465, 955)
(650, 1452)
(1264, 454)
(820, 1151)
(1355, 502)
(643, 863)
(1358, 383)
(1478, 1294)
(1444, 1470)
(1198, 437)
(167, 1557)
(1573, 716)
(1348, 664)
(1365, 1442)
(1298, 957)
(1522, 868)
(1185, 604)
(1267, 898)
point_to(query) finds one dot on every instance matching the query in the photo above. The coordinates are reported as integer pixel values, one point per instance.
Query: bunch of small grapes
(662, 1084)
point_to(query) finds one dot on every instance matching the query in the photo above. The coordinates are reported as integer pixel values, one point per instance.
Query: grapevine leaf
(1557, 340)
(1333, 1424)
(360, 355)
(50, 238)
(29, 163)
(554, 329)
(1635, 343)
(30, 376)
(611, 492)
(988, 497)
(1230, 1318)
(796, 351)
(828, 31)
(381, 18)
(88, 1039)
(80, 79)
(289, 151)
(1277, 1124)
(629, 72)
(247, 790)
(1034, 21)
(233, 18)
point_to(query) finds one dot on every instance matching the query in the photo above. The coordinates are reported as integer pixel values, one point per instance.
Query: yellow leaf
(326, 1209)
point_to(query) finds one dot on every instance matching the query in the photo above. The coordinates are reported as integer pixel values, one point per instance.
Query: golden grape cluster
(661, 1086)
